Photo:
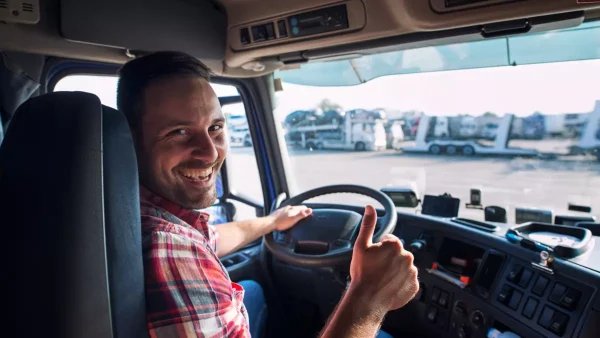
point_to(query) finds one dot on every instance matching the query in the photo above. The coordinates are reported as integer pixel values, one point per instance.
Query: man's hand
(383, 279)
(383, 274)
(288, 216)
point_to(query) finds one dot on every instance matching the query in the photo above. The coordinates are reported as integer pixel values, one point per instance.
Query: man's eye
(215, 128)
(177, 132)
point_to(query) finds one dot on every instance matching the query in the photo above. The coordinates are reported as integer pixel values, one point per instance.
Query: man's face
(183, 142)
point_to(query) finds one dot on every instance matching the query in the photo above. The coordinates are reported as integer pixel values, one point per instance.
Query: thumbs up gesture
(382, 273)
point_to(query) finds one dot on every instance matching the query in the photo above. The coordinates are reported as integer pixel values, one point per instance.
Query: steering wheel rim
(340, 251)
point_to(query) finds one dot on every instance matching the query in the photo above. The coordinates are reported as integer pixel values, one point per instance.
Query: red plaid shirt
(188, 290)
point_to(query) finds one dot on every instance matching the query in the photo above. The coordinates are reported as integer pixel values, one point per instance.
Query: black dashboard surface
(505, 291)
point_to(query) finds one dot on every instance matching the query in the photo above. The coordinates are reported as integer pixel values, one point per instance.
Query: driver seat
(69, 206)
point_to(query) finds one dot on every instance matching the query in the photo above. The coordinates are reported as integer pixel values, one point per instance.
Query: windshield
(517, 118)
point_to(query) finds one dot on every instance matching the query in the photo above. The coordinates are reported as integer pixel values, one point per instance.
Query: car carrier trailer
(467, 147)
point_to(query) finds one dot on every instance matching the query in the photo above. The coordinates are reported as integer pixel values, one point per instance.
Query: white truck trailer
(467, 147)
(349, 134)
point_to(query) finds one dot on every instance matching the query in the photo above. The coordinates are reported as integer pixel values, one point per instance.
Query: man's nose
(204, 148)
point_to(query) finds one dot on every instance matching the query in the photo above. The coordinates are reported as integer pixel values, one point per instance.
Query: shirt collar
(189, 216)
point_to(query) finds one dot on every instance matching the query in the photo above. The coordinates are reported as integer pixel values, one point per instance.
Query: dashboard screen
(523, 215)
(441, 206)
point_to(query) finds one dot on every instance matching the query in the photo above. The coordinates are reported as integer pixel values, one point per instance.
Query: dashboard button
(546, 317)
(515, 274)
(259, 33)
(463, 331)
(525, 278)
(432, 314)
(570, 299)
(557, 293)
(530, 307)
(477, 319)
(559, 322)
(270, 30)
(282, 29)
(515, 300)
(540, 285)
(244, 36)
(505, 294)
(435, 296)
(443, 299)
(460, 308)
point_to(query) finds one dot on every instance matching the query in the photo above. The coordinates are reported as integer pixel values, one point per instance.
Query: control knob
(417, 246)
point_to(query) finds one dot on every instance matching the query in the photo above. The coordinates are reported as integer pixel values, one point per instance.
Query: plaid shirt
(188, 290)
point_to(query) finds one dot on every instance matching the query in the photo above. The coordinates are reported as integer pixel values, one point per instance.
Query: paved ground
(504, 182)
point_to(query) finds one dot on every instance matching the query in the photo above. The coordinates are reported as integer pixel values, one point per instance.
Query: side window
(242, 169)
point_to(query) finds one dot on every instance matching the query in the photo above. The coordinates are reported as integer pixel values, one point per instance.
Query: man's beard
(207, 198)
(201, 198)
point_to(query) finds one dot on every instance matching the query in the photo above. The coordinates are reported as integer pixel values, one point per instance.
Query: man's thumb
(367, 228)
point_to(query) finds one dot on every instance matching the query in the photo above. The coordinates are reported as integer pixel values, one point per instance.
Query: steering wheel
(326, 238)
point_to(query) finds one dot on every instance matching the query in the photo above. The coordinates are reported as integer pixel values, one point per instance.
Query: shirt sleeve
(188, 294)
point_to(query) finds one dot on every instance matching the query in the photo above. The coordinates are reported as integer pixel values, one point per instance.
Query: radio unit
(319, 21)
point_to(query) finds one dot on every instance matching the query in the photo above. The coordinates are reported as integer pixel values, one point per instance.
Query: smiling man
(179, 134)
(181, 143)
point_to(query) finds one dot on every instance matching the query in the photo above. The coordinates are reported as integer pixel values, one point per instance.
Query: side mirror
(403, 197)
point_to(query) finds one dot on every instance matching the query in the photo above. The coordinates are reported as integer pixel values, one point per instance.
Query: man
(180, 139)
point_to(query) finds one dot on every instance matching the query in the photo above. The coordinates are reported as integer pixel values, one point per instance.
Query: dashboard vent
(27, 7)
(475, 224)
(17, 11)
(454, 3)
(443, 6)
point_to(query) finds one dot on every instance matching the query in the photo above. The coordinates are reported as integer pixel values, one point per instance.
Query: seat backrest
(69, 206)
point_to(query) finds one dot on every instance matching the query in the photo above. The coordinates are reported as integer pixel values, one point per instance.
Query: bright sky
(552, 88)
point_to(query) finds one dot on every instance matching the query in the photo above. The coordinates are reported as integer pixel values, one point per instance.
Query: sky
(552, 88)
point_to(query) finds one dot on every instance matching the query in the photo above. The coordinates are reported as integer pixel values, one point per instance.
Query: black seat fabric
(69, 208)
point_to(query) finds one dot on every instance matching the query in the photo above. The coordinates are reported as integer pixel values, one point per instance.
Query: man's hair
(136, 75)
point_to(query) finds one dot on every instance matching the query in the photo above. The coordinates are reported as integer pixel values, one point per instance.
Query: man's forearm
(235, 235)
(354, 317)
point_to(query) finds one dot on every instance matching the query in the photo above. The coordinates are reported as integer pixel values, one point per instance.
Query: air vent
(454, 3)
(442, 6)
(475, 224)
(27, 7)
(19, 11)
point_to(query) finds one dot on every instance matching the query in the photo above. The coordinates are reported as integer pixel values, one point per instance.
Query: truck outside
(358, 130)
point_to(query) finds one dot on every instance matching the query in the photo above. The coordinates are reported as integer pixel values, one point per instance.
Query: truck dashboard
(500, 286)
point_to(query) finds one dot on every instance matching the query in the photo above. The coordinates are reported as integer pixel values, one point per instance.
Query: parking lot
(544, 184)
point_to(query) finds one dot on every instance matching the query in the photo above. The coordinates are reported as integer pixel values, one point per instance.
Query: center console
(471, 284)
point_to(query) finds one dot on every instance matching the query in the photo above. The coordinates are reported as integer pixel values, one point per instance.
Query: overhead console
(320, 22)
(272, 32)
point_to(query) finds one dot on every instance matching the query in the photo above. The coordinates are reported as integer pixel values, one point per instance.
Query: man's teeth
(197, 174)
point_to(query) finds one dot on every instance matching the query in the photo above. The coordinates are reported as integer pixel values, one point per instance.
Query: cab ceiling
(113, 30)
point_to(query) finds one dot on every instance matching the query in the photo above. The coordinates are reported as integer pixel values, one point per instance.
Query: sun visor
(197, 27)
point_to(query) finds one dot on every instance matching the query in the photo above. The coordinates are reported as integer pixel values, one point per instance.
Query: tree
(489, 114)
(327, 104)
